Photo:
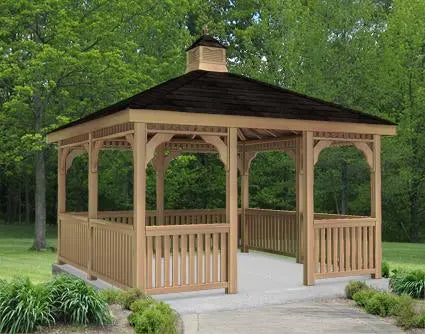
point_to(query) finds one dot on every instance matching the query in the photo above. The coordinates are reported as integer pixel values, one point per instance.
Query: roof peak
(207, 40)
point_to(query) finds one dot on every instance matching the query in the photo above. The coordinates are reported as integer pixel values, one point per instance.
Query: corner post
(139, 204)
(376, 210)
(232, 208)
(244, 200)
(160, 176)
(61, 196)
(93, 201)
(308, 206)
(299, 174)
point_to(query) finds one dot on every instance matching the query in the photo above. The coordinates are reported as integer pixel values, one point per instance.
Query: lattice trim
(76, 139)
(111, 130)
(343, 136)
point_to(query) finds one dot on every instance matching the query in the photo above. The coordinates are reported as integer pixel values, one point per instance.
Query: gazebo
(209, 110)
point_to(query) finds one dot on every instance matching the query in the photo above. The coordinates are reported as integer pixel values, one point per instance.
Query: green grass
(16, 257)
(404, 255)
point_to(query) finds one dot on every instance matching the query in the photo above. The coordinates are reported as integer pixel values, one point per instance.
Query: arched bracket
(97, 145)
(244, 162)
(319, 147)
(63, 159)
(130, 138)
(361, 146)
(155, 141)
(367, 151)
(167, 159)
(219, 145)
(72, 155)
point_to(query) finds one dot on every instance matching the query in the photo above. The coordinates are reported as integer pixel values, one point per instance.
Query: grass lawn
(404, 255)
(16, 258)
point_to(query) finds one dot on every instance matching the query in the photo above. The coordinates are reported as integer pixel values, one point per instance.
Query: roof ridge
(323, 102)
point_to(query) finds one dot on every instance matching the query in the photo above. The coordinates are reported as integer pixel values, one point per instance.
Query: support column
(299, 174)
(139, 204)
(93, 200)
(308, 206)
(232, 208)
(61, 194)
(376, 210)
(244, 200)
(160, 178)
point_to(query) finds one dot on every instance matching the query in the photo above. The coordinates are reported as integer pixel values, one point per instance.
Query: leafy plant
(362, 297)
(129, 296)
(112, 296)
(382, 303)
(152, 317)
(408, 282)
(354, 286)
(405, 312)
(385, 269)
(24, 306)
(76, 302)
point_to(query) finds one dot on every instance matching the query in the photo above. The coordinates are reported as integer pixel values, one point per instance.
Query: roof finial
(205, 30)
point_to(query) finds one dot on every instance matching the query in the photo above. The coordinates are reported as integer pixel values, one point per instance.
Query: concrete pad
(264, 279)
(306, 317)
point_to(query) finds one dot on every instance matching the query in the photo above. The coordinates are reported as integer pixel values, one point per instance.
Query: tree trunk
(414, 198)
(27, 200)
(40, 182)
(344, 190)
(40, 201)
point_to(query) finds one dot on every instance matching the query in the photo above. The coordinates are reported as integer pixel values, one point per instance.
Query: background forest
(63, 59)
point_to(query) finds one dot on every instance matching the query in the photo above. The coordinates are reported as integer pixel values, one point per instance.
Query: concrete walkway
(306, 317)
(263, 279)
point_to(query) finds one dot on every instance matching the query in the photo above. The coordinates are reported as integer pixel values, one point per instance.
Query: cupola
(207, 54)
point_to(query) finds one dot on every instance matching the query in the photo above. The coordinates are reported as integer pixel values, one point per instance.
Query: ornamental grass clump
(129, 296)
(24, 306)
(77, 303)
(382, 304)
(411, 283)
(150, 316)
(353, 287)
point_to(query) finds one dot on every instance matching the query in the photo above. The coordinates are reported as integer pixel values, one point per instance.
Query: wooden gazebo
(210, 110)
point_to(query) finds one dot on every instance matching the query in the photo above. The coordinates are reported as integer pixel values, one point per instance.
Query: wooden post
(232, 208)
(244, 200)
(93, 201)
(61, 195)
(308, 206)
(139, 204)
(376, 203)
(299, 174)
(160, 178)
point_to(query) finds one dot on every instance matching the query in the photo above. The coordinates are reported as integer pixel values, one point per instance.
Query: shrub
(404, 312)
(353, 287)
(76, 302)
(408, 282)
(385, 269)
(24, 306)
(381, 303)
(130, 296)
(420, 320)
(112, 296)
(153, 317)
(362, 297)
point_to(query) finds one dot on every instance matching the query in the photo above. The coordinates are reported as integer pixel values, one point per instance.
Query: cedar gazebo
(210, 110)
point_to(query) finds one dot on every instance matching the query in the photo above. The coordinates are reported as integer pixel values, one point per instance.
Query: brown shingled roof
(232, 94)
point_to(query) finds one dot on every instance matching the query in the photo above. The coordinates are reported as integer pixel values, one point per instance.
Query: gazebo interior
(208, 110)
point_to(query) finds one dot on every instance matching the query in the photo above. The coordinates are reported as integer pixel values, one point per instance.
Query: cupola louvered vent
(207, 54)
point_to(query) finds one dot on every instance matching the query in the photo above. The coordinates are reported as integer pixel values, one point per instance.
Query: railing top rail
(344, 222)
(74, 216)
(108, 224)
(186, 229)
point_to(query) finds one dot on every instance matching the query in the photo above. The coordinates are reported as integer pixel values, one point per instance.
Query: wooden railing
(186, 257)
(112, 252)
(272, 231)
(344, 246)
(73, 240)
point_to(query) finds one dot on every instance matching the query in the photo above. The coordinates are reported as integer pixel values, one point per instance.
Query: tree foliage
(61, 60)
